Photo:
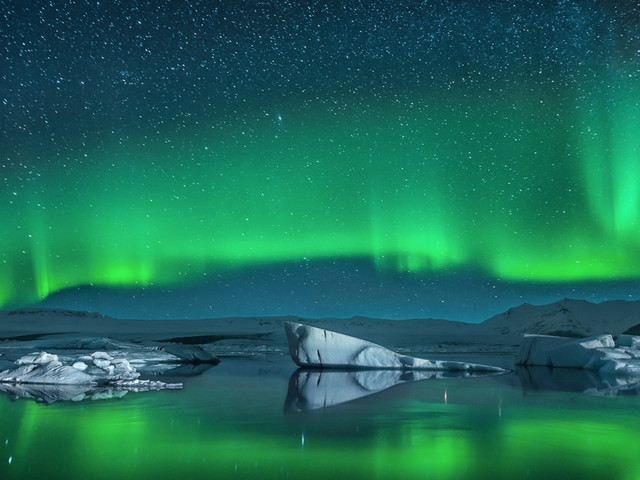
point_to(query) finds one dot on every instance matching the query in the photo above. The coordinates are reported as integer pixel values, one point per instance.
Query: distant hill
(53, 312)
(572, 318)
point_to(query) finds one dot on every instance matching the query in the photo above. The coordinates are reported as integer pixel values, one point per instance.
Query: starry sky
(323, 158)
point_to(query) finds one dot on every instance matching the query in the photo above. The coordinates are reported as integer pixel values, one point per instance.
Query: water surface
(236, 421)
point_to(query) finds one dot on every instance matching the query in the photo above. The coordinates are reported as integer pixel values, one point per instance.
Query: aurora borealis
(420, 150)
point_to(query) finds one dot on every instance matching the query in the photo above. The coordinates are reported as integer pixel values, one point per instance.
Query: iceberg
(193, 354)
(46, 378)
(314, 347)
(607, 354)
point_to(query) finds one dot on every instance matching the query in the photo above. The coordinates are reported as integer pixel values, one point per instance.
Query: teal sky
(491, 148)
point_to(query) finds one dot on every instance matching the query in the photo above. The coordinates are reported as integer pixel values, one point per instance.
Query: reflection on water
(313, 389)
(45, 393)
(229, 423)
(577, 380)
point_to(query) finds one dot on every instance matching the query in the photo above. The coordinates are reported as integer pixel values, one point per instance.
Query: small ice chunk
(101, 356)
(122, 366)
(80, 366)
(101, 363)
(44, 358)
(27, 359)
(190, 353)
(37, 359)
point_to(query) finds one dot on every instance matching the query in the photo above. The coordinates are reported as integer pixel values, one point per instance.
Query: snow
(567, 318)
(317, 347)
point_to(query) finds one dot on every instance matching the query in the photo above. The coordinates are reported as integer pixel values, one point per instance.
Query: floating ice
(44, 377)
(319, 348)
(190, 354)
(619, 355)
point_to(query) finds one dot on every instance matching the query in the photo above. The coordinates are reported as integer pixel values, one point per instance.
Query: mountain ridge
(565, 317)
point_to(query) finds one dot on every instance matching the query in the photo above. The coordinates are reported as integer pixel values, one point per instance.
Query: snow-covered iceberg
(619, 355)
(320, 348)
(45, 377)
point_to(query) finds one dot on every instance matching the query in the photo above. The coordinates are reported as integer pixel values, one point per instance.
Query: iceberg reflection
(538, 378)
(51, 393)
(315, 389)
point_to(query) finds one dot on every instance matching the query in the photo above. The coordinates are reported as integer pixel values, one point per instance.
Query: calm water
(239, 420)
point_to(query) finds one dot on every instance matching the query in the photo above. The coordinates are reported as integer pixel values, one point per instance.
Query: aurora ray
(503, 146)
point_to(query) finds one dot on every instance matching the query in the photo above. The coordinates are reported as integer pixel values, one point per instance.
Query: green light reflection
(403, 437)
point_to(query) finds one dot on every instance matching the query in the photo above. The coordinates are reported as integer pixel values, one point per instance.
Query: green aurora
(541, 185)
(160, 146)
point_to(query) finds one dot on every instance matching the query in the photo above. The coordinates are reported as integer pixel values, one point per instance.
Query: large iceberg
(607, 354)
(320, 348)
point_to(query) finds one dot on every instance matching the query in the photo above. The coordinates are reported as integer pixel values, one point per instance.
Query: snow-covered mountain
(571, 318)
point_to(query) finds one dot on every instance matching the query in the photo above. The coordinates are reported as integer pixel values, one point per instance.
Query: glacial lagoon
(244, 419)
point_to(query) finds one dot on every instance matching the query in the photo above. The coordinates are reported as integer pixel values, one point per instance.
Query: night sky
(384, 158)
